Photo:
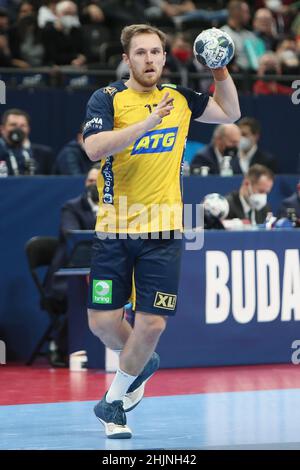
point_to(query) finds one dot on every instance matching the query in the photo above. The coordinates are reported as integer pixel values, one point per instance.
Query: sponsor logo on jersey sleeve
(94, 123)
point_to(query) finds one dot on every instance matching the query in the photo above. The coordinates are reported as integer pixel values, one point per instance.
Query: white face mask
(274, 5)
(70, 21)
(245, 144)
(257, 201)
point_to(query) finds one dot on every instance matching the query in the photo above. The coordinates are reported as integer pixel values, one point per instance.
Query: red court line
(38, 384)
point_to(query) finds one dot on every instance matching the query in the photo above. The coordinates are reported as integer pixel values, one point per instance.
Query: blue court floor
(231, 420)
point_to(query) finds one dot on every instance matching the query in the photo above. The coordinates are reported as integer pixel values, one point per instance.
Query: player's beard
(144, 80)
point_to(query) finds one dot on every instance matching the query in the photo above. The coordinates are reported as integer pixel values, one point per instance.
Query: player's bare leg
(137, 363)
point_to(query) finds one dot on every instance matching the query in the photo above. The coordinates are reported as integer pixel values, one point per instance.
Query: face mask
(16, 137)
(92, 192)
(290, 70)
(230, 151)
(70, 21)
(245, 144)
(271, 71)
(257, 201)
(273, 5)
(182, 55)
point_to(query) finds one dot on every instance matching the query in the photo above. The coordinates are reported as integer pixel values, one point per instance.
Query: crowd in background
(85, 34)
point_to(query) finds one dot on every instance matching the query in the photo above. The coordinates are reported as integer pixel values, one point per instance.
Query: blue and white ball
(214, 48)
(216, 205)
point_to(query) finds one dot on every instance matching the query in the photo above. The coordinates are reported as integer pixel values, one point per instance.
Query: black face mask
(230, 151)
(271, 71)
(290, 70)
(92, 192)
(16, 137)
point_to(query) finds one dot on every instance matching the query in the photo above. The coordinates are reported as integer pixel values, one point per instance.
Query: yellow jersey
(140, 188)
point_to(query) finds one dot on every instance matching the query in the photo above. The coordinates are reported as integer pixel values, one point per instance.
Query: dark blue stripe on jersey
(108, 176)
(197, 102)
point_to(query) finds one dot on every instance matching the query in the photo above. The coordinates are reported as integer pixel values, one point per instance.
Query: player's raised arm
(107, 143)
(224, 106)
(215, 49)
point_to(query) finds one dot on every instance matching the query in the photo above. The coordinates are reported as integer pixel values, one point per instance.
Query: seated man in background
(76, 214)
(72, 159)
(21, 156)
(249, 203)
(291, 202)
(249, 153)
(225, 142)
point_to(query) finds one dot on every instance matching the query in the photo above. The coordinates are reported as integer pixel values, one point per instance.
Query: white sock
(119, 386)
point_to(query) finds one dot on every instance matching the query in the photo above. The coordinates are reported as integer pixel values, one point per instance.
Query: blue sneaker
(136, 390)
(113, 418)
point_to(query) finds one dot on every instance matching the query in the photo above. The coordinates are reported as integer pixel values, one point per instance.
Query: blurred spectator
(249, 153)
(269, 65)
(180, 59)
(91, 13)
(76, 214)
(6, 56)
(282, 11)
(47, 13)
(249, 203)
(26, 8)
(26, 40)
(4, 21)
(21, 156)
(119, 13)
(64, 40)
(287, 53)
(238, 20)
(72, 159)
(225, 143)
(94, 29)
(264, 27)
(5, 52)
(292, 202)
(169, 9)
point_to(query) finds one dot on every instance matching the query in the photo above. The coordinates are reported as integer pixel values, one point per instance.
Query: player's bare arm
(107, 143)
(224, 106)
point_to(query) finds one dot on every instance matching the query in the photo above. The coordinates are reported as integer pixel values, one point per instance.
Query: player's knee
(102, 322)
(152, 326)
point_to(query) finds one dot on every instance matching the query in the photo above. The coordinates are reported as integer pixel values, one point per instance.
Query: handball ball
(213, 48)
(216, 205)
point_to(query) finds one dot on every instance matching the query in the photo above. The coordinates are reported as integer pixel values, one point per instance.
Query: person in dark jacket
(76, 214)
(291, 202)
(225, 142)
(72, 159)
(250, 202)
(21, 156)
(63, 40)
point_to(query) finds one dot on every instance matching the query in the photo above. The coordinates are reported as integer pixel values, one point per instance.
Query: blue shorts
(156, 267)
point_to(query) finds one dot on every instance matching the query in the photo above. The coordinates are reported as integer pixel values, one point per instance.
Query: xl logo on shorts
(102, 292)
(163, 300)
(159, 141)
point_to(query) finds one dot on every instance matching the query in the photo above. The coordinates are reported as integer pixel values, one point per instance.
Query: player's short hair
(252, 123)
(256, 171)
(133, 30)
(15, 112)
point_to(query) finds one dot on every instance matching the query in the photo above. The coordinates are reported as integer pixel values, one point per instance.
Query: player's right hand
(163, 109)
